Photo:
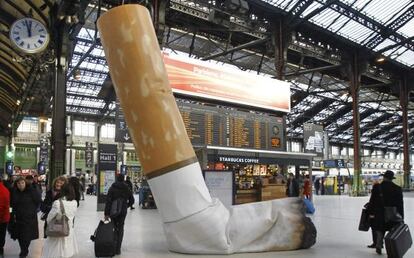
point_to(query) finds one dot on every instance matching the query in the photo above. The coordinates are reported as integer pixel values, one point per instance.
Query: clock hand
(30, 28)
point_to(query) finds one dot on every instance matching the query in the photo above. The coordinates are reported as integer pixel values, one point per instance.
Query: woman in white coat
(62, 247)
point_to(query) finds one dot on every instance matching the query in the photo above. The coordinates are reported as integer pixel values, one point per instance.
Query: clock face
(275, 130)
(29, 35)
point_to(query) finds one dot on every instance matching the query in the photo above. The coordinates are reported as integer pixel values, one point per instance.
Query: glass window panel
(383, 10)
(355, 31)
(408, 28)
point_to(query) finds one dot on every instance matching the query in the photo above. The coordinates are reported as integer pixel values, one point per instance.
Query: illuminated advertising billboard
(206, 80)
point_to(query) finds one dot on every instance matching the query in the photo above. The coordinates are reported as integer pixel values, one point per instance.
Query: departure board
(218, 126)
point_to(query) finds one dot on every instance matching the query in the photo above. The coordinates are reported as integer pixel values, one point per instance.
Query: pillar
(355, 68)
(282, 37)
(406, 147)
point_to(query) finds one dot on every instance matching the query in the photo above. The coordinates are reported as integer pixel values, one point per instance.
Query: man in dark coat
(386, 194)
(292, 186)
(118, 190)
(24, 202)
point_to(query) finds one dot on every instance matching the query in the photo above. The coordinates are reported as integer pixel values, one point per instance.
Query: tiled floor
(336, 219)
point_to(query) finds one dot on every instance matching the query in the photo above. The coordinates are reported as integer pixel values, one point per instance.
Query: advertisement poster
(220, 185)
(88, 155)
(313, 139)
(106, 180)
(107, 160)
(206, 80)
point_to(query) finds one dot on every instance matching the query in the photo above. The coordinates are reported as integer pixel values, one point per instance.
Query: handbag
(116, 208)
(12, 226)
(364, 223)
(59, 225)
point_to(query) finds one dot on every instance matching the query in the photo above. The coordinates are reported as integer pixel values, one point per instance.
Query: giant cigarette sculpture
(193, 221)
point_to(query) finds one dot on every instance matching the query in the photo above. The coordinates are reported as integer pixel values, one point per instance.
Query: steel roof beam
(338, 114)
(240, 47)
(385, 129)
(377, 85)
(369, 22)
(312, 70)
(84, 97)
(314, 12)
(375, 122)
(396, 24)
(310, 113)
(299, 8)
(345, 126)
(85, 55)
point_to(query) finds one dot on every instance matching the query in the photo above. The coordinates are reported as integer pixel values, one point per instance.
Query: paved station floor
(336, 219)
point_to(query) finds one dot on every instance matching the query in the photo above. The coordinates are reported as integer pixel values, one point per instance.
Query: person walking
(62, 247)
(317, 185)
(131, 188)
(32, 181)
(51, 195)
(24, 203)
(4, 215)
(292, 185)
(307, 187)
(118, 190)
(386, 194)
(82, 187)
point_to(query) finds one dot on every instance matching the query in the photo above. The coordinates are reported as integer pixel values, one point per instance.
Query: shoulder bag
(59, 225)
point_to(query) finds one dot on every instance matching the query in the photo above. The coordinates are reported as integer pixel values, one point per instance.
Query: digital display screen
(334, 163)
(329, 163)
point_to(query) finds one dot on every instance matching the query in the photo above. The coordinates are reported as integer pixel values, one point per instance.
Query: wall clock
(29, 35)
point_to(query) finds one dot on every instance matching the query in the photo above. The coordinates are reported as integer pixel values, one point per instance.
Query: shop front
(259, 175)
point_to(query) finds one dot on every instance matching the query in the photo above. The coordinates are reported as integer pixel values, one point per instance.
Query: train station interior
(320, 90)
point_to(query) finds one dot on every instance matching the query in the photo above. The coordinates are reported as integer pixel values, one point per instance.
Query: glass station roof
(396, 14)
(328, 104)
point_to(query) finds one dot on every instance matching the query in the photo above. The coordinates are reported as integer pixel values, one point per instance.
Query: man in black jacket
(386, 194)
(292, 186)
(118, 190)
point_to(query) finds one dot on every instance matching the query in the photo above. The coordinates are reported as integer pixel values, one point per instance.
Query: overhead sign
(206, 80)
(232, 159)
(121, 128)
(9, 167)
(44, 149)
(313, 139)
(334, 163)
(107, 154)
(89, 155)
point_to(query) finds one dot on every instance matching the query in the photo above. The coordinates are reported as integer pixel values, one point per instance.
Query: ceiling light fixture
(380, 59)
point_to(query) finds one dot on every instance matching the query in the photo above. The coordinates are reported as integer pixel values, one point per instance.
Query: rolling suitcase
(398, 241)
(104, 239)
